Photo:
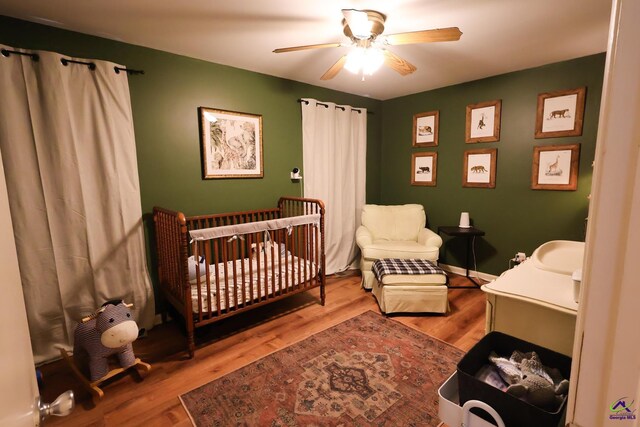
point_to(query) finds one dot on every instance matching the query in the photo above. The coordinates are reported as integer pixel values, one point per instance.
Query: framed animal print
(425, 129)
(423, 169)
(483, 122)
(231, 144)
(479, 169)
(560, 113)
(555, 167)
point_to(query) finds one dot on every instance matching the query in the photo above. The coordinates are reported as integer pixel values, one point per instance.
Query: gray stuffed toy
(530, 380)
(109, 331)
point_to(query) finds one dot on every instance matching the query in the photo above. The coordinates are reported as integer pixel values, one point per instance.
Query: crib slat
(234, 267)
(216, 268)
(251, 258)
(225, 280)
(207, 268)
(198, 282)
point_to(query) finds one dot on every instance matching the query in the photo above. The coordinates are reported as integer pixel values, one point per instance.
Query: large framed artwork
(423, 169)
(555, 167)
(560, 113)
(483, 122)
(425, 129)
(231, 144)
(480, 168)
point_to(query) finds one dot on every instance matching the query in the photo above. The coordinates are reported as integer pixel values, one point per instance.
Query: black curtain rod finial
(129, 71)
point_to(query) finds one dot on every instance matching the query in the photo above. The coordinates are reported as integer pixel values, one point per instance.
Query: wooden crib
(215, 266)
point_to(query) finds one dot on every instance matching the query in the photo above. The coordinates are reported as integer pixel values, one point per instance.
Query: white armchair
(394, 232)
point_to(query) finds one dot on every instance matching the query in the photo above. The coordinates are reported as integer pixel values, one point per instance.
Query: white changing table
(534, 301)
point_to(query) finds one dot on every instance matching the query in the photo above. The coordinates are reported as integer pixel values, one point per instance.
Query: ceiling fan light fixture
(364, 60)
(359, 23)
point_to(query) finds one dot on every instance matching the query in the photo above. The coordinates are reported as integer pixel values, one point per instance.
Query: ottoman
(409, 286)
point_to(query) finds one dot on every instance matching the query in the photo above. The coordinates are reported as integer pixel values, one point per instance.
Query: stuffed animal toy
(530, 380)
(109, 331)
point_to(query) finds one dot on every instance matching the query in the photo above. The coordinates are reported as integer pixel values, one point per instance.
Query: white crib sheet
(279, 274)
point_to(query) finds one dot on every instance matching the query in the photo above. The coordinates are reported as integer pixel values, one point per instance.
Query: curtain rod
(33, 56)
(65, 61)
(337, 106)
(129, 71)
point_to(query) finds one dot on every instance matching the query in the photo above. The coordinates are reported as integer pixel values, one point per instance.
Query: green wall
(514, 217)
(165, 101)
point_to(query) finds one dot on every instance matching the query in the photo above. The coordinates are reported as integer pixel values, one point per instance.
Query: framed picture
(231, 144)
(425, 129)
(483, 122)
(480, 168)
(423, 168)
(560, 113)
(555, 167)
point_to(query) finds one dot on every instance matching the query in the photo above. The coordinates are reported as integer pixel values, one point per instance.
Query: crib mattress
(279, 275)
(529, 283)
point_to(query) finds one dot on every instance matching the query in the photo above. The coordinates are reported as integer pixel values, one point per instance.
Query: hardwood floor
(235, 342)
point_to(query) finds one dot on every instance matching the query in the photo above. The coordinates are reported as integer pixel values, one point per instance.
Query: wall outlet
(521, 256)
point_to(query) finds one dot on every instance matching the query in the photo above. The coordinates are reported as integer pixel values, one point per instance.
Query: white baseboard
(462, 271)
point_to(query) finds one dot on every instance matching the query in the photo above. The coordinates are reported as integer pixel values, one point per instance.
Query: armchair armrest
(363, 237)
(429, 238)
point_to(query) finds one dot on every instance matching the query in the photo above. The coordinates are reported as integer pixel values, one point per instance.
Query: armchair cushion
(402, 222)
(399, 249)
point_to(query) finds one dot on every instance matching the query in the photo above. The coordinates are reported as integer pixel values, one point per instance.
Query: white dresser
(534, 301)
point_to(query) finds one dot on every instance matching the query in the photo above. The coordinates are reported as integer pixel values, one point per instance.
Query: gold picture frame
(424, 168)
(483, 122)
(560, 113)
(425, 129)
(479, 169)
(231, 144)
(555, 167)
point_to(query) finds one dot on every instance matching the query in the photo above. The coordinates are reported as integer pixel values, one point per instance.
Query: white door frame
(606, 353)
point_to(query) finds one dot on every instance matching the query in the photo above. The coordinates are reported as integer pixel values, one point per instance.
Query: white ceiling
(499, 36)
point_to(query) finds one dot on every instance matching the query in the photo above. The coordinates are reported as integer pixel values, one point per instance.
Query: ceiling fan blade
(425, 36)
(358, 22)
(335, 69)
(310, 46)
(398, 64)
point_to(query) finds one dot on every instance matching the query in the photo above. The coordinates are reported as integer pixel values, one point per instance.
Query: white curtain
(334, 144)
(68, 149)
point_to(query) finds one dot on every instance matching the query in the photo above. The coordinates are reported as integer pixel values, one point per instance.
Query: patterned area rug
(366, 371)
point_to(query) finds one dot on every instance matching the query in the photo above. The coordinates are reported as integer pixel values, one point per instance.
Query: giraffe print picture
(555, 167)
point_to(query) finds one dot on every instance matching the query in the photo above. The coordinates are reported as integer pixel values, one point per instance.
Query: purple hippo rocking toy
(109, 331)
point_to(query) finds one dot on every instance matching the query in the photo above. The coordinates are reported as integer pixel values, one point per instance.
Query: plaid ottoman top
(385, 266)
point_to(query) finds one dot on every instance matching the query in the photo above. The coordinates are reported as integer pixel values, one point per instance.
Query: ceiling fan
(365, 28)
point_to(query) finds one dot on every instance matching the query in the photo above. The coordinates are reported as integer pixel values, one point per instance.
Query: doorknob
(61, 407)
